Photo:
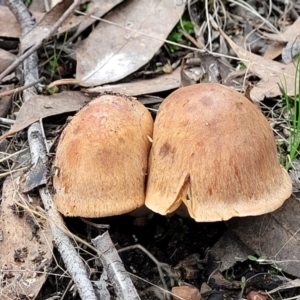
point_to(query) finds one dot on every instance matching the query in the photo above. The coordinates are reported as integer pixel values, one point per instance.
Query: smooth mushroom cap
(215, 151)
(102, 157)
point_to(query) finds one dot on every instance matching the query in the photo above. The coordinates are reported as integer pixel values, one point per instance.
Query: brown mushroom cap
(102, 158)
(215, 151)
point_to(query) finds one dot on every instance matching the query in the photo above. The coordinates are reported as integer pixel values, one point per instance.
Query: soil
(171, 240)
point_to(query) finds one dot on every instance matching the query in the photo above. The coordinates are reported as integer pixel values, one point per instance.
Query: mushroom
(214, 151)
(101, 158)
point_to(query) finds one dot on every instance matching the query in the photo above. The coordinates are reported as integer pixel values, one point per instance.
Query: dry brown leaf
(289, 35)
(272, 73)
(275, 235)
(112, 52)
(5, 102)
(6, 59)
(37, 5)
(40, 107)
(26, 246)
(148, 86)
(273, 50)
(9, 26)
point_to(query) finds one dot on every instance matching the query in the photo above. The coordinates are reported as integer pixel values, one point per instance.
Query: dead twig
(114, 267)
(21, 88)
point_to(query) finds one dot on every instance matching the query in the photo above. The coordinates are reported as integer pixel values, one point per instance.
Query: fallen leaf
(6, 59)
(5, 102)
(40, 107)
(44, 27)
(279, 40)
(273, 50)
(275, 235)
(230, 249)
(111, 52)
(141, 87)
(26, 246)
(9, 27)
(288, 36)
(272, 73)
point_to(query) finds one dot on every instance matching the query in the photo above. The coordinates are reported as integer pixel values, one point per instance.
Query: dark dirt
(169, 239)
(179, 242)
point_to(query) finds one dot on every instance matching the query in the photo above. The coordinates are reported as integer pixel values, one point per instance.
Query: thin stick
(114, 267)
(21, 88)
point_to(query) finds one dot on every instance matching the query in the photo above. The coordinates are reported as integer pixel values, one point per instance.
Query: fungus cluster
(212, 150)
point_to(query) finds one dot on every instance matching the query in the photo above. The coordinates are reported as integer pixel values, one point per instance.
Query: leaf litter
(273, 75)
(26, 246)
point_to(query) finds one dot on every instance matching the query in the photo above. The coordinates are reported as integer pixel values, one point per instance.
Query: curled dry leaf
(273, 74)
(26, 245)
(279, 40)
(288, 36)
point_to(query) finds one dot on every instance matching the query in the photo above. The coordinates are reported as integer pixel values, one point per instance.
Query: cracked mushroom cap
(214, 151)
(101, 158)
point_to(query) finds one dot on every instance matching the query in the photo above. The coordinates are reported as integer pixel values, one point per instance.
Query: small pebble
(254, 295)
(186, 293)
